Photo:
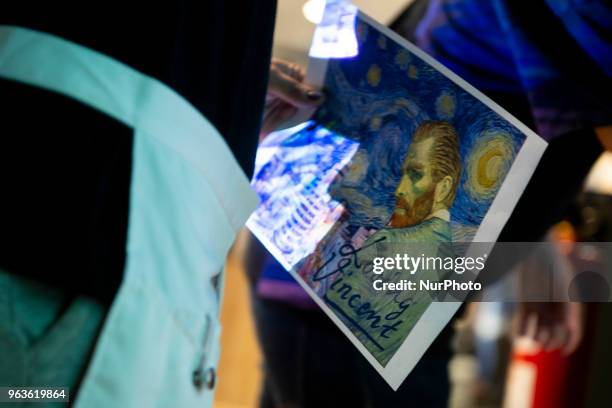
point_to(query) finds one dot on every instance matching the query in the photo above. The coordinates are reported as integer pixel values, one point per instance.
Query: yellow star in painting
(445, 105)
(375, 123)
(373, 75)
(413, 72)
(488, 164)
(402, 58)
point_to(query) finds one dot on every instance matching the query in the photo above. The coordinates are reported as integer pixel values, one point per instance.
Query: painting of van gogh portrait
(401, 152)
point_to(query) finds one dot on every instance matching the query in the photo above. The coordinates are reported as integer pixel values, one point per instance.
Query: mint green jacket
(158, 344)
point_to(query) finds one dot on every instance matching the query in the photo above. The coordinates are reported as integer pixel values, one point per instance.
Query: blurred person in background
(549, 63)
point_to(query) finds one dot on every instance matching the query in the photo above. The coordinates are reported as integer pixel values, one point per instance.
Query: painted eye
(415, 175)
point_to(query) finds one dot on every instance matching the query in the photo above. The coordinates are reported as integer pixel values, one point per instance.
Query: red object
(547, 374)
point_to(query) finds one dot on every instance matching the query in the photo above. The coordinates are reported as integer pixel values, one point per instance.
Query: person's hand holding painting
(287, 93)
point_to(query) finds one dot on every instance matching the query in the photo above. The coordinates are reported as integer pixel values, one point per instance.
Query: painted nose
(402, 187)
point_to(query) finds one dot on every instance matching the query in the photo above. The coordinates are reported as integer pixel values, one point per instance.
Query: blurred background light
(313, 10)
(599, 180)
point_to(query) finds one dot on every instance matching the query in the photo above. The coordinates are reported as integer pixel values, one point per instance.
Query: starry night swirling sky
(378, 99)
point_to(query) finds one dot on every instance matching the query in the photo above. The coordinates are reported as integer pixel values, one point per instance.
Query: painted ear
(443, 189)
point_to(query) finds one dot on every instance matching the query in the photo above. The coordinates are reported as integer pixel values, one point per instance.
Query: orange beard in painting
(406, 215)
